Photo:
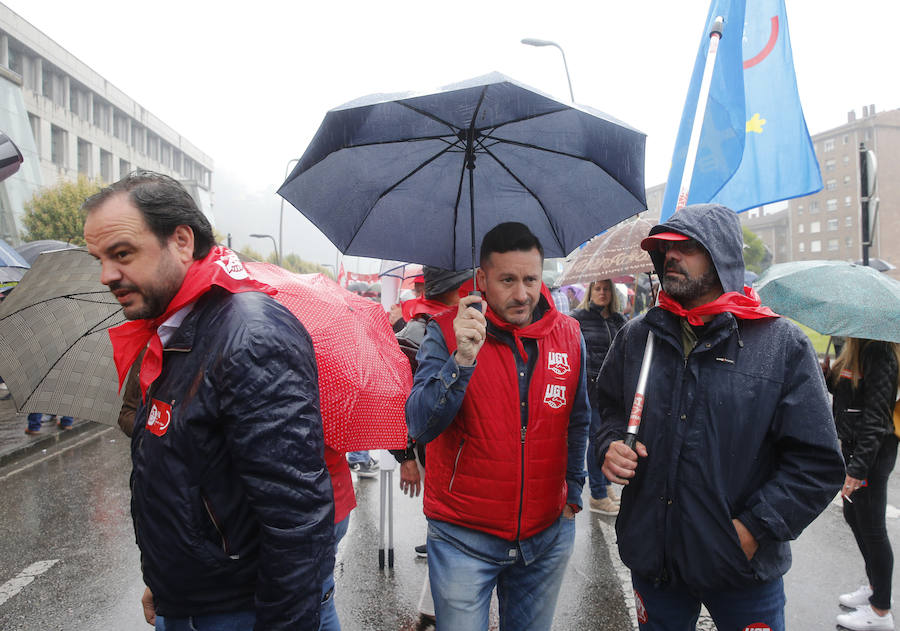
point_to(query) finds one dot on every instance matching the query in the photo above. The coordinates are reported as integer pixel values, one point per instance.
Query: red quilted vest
(482, 473)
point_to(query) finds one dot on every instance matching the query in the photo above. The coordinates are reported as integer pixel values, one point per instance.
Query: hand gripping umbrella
(423, 177)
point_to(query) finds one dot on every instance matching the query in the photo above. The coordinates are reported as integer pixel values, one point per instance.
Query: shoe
(422, 551)
(611, 494)
(32, 432)
(63, 427)
(425, 623)
(864, 618)
(365, 469)
(856, 599)
(604, 506)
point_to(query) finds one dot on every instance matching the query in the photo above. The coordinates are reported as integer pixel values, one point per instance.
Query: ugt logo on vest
(558, 363)
(159, 418)
(555, 396)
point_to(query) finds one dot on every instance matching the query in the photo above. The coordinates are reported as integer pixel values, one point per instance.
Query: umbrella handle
(477, 305)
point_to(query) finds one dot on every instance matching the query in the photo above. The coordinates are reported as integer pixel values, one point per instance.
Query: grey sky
(249, 83)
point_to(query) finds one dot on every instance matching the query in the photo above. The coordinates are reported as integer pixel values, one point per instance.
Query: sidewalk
(15, 444)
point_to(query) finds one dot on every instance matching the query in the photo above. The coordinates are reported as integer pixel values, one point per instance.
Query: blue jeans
(597, 480)
(358, 456)
(673, 607)
(462, 581)
(328, 618)
(35, 421)
(232, 621)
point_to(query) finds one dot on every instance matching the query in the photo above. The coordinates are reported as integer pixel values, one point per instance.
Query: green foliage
(754, 252)
(55, 212)
(249, 254)
(296, 264)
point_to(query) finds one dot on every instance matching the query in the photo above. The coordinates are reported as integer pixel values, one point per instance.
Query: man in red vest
(500, 398)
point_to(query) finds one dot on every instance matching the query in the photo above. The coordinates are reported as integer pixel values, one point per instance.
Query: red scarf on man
(746, 306)
(220, 268)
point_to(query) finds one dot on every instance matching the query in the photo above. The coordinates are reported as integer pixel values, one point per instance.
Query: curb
(36, 445)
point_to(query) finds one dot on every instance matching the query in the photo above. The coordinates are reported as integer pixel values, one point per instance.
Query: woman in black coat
(864, 381)
(600, 320)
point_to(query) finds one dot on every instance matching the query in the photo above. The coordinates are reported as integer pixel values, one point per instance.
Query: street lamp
(287, 169)
(530, 41)
(274, 245)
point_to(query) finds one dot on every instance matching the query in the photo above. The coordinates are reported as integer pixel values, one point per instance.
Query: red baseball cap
(649, 243)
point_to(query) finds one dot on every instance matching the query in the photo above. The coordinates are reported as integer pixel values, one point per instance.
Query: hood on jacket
(717, 229)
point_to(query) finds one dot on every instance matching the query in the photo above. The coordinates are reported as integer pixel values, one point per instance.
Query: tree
(756, 256)
(55, 212)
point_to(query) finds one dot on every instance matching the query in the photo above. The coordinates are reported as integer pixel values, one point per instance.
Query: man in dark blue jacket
(737, 452)
(231, 500)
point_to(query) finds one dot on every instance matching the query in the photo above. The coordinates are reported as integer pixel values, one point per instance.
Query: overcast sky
(248, 83)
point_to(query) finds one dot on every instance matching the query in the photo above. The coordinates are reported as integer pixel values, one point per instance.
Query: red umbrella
(364, 377)
(616, 252)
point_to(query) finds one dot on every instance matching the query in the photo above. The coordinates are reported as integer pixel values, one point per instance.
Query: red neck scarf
(746, 306)
(537, 329)
(428, 307)
(220, 268)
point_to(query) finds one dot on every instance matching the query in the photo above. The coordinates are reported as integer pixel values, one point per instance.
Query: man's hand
(568, 513)
(149, 609)
(748, 542)
(410, 480)
(621, 461)
(469, 327)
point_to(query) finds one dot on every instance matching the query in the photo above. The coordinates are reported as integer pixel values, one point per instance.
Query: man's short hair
(164, 203)
(508, 237)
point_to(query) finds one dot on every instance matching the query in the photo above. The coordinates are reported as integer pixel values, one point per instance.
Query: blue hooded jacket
(739, 429)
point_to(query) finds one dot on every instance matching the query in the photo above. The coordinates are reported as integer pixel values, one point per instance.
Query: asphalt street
(68, 558)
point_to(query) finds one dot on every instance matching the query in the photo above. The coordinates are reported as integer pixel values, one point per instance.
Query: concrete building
(826, 225)
(68, 120)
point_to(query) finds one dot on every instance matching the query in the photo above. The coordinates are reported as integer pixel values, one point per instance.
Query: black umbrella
(408, 176)
(32, 249)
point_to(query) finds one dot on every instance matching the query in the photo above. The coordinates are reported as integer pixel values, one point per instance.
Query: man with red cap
(736, 451)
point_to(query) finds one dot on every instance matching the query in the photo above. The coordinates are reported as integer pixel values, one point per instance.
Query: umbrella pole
(715, 34)
(470, 165)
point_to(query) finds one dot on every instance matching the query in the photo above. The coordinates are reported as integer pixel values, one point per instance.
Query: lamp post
(287, 169)
(274, 245)
(530, 41)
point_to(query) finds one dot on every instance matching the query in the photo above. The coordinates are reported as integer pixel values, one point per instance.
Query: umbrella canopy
(834, 298)
(423, 177)
(12, 265)
(31, 250)
(55, 354)
(613, 254)
(878, 264)
(364, 377)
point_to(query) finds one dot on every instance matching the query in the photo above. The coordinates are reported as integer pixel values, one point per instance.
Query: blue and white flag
(754, 145)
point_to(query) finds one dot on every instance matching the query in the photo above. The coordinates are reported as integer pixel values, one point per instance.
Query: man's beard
(156, 297)
(686, 288)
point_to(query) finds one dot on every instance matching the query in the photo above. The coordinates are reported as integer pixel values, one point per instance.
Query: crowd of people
(519, 395)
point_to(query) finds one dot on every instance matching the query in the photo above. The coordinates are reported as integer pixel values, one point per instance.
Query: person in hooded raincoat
(736, 451)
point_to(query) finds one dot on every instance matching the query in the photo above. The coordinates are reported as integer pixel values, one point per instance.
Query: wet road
(68, 559)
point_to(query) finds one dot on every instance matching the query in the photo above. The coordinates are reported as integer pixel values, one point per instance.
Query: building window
(58, 146)
(848, 201)
(848, 222)
(830, 164)
(831, 204)
(868, 134)
(801, 247)
(801, 228)
(846, 160)
(84, 157)
(834, 245)
(815, 227)
(832, 224)
(828, 145)
(35, 123)
(848, 242)
(124, 168)
(814, 206)
(800, 209)
(845, 139)
(830, 185)
(106, 162)
(846, 180)
(815, 246)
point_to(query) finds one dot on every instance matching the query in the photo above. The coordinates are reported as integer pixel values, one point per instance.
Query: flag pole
(715, 34)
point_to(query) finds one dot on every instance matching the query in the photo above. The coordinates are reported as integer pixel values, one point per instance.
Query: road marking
(16, 584)
(52, 453)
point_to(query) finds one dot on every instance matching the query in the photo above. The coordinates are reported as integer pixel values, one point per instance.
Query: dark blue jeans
(596, 479)
(673, 607)
(866, 519)
(234, 621)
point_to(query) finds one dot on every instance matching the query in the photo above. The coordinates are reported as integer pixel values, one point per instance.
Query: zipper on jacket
(215, 523)
(521, 484)
(459, 451)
